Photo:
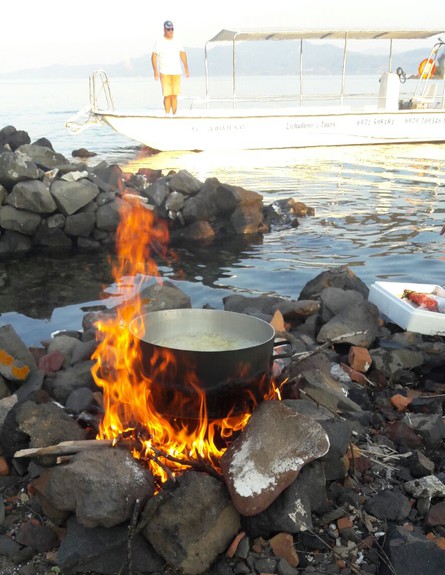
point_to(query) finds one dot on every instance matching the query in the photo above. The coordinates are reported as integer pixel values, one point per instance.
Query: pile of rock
(344, 475)
(48, 202)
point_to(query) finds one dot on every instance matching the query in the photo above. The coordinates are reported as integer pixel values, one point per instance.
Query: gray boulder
(51, 237)
(191, 525)
(32, 195)
(14, 243)
(410, 553)
(341, 277)
(184, 182)
(16, 168)
(80, 224)
(99, 486)
(361, 318)
(21, 221)
(43, 156)
(108, 215)
(72, 196)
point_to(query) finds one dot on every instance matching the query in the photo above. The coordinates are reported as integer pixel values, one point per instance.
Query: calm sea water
(378, 209)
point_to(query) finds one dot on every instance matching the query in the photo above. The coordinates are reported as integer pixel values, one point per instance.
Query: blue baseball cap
(168, 25)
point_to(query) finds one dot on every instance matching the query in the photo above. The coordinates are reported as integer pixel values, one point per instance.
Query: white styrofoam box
(387, 296)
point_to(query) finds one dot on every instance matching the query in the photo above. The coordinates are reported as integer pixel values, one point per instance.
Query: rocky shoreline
(50, 203)
(374, 502)
(345, 474)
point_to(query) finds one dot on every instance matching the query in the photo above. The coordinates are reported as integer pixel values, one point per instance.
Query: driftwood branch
(72, 447)
(131, 534)
(339, 339)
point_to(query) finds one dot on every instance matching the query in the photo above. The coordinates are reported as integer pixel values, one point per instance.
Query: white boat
(389, 115)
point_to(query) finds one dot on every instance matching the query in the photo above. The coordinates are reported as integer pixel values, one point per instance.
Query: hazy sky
(100, 32)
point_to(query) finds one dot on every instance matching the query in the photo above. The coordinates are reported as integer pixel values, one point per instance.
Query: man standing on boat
(167, 57)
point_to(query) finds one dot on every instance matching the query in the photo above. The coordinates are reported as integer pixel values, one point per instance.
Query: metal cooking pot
(231, 355)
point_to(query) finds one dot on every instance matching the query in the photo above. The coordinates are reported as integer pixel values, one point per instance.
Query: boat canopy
(301, 34)
(322, 34)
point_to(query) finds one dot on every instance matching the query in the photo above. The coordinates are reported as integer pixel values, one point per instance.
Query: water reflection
(212, 265)
(378, 209)
(35, 285)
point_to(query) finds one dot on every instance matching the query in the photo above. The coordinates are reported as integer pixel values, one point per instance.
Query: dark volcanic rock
(291, 512)
(13, 138)
(100, 486)
(389, 505)
(341, 277)
(411, 553)
(191, 525)
(15, 168)
(105, 550)
(47, 424)
(36, 536)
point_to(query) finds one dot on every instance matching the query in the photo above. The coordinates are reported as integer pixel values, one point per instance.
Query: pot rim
(249, 322)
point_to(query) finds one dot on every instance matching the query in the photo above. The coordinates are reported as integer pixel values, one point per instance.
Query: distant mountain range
(275, 58)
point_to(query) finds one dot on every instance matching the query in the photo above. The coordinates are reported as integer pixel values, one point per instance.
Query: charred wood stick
(199, 465)
(155, 458)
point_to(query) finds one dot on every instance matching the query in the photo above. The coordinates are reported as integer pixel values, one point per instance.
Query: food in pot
(202, 342)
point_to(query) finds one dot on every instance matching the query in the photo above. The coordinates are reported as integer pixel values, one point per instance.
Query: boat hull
(250, 131)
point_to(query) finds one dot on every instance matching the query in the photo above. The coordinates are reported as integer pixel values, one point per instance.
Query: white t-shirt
(169, 61)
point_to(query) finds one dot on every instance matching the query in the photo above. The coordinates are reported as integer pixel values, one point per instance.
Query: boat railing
(240, 102)
(359, 101)
(426, 74)
(425, 93)
(101, 99)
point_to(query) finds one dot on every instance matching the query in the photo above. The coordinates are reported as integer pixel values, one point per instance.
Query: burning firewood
(73, 447)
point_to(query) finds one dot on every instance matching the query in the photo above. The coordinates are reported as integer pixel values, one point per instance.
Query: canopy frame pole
(390, 56)
(301, 72)
(206, 68)
(343, 72)
(234, 69)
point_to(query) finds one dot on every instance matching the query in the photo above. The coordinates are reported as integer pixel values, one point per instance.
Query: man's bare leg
(168, 104)
(174, 102)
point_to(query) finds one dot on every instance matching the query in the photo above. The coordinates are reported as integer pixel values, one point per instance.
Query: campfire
(135, 408)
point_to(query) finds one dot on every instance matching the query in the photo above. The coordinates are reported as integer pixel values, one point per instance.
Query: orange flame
(134, 396)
